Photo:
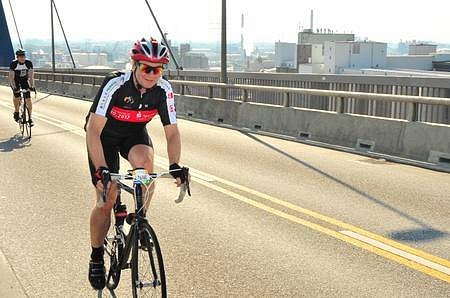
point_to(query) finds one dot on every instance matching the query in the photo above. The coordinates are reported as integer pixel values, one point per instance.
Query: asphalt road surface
(268, 217)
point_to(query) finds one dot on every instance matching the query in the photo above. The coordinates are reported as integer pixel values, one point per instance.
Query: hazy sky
(199, 20)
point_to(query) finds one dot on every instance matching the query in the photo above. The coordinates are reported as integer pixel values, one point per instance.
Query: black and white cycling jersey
(21, 70)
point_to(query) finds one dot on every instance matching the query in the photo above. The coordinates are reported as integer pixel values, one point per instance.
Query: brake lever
(186, 180)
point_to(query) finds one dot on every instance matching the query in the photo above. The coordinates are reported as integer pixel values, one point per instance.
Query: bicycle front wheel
(27, 123)
(21, 121)
(148, 278)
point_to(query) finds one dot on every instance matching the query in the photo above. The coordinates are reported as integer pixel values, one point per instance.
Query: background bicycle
(24, 116)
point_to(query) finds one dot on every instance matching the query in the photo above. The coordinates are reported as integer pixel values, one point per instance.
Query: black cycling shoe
(16, 116)
(31, 122)
(96, 275)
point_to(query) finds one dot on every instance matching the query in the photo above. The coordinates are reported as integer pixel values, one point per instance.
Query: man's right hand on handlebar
(102, 175)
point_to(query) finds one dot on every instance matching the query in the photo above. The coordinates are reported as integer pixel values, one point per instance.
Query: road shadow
(416, 235)
(424, 233)
(39, 99)
(14, 143)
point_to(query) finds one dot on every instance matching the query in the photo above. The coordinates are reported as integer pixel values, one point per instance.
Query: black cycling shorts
(21, 84)
(112, 146)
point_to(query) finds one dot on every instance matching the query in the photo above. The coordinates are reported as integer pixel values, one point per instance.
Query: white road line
(398, 252)
(164, 163)
(66, 126)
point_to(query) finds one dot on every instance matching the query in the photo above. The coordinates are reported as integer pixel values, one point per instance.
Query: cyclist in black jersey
(116, 124)
(21, 76)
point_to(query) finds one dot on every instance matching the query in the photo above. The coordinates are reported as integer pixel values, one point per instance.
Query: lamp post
(223, 68)
(53, 36)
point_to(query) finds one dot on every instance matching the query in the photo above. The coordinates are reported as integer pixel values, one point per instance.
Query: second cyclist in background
(21, 76)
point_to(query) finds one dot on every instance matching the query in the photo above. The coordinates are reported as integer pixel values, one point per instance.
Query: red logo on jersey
(170, 95)
(132, 116)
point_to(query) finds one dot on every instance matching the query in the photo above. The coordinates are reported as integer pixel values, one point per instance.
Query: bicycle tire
(21, 117)
(147, 277)
(27, 122)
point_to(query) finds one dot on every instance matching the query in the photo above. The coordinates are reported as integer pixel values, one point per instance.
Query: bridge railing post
(183, 89)
(412, 111)
(340, 105)
(286, 99)
(244, 95)
(211, 91)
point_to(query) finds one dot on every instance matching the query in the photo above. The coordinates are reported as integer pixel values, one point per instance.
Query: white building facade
(342, 55)
(285, 54)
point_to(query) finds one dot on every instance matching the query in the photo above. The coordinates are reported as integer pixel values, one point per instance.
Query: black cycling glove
(177, 174)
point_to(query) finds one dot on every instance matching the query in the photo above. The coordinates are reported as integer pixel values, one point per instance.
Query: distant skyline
(199, 20)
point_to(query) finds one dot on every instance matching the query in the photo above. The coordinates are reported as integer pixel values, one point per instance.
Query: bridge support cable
(64, 34)
(15, 24)
(178, 67)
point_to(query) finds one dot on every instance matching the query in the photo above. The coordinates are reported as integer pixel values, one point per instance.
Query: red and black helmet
(151, 51)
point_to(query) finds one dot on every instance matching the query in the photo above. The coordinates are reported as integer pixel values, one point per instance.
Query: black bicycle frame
(136, 191)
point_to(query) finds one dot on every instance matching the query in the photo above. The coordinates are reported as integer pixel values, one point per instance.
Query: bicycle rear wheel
(148, 277)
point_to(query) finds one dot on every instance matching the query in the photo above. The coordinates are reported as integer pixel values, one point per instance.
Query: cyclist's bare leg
(29, 105)
(101, 216)
(141, 156)
(16, 101)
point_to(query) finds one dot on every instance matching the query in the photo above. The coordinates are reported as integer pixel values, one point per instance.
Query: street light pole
(224, 49)
(53, 37)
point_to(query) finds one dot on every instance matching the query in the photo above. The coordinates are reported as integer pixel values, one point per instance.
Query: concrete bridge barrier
(426, 142)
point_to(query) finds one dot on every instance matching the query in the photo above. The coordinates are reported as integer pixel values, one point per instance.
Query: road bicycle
(24, 116)
(133, 243)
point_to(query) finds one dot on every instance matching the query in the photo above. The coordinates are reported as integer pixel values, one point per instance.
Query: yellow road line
(327, 219)
(386, 254)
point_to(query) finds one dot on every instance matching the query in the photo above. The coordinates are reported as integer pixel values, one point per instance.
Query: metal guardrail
(375, 84)
(410, 106)
(412, 101)
(82, 79)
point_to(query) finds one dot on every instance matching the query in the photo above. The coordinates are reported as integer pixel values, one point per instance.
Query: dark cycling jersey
(21, 69)
(126, 110)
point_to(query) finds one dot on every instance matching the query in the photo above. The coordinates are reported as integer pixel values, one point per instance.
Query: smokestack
(242, 31)
(312, 20)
